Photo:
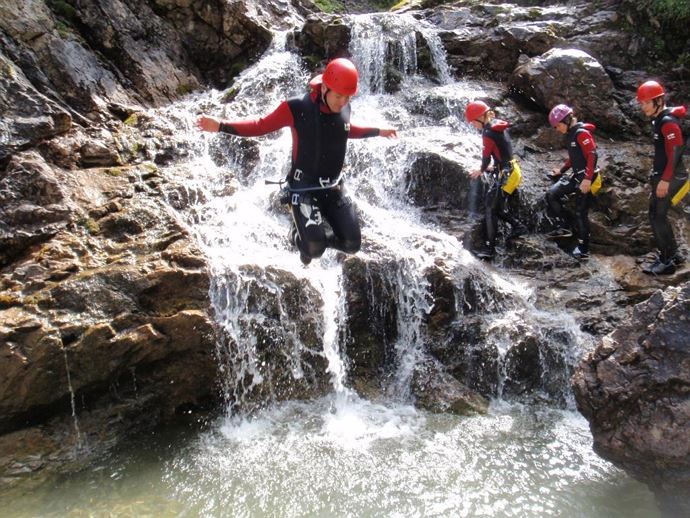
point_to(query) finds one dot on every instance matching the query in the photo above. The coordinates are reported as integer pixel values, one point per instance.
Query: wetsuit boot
(486, 252)
(581, 251)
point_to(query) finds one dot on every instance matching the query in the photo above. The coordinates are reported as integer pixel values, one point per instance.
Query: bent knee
(351, 246)
(314, 249)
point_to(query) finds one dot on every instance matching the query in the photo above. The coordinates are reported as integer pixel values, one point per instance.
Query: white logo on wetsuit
(307, 211)
(670, 136)
(347, 127)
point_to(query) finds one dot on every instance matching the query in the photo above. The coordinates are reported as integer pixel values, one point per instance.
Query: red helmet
(341, 76)
(475, 109)
(649, 90)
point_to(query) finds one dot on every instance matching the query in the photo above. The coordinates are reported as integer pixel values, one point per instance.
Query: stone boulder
(573, 77)
(437, 391)
(33, 205)
(103, 306)
(27, 116)
(634, 391)
(321, 38)
(271, 337)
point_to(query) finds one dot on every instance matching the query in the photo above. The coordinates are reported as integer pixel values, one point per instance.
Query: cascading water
(340, 454)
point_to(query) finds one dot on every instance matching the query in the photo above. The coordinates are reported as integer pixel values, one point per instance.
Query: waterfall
(242, 228)
(296, 440)
(382, 43)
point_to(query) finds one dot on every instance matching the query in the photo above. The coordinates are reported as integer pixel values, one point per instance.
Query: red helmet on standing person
(475, 109)
(341, 76)
(649, 90)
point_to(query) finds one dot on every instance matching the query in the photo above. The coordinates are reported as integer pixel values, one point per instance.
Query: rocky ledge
(634, 389)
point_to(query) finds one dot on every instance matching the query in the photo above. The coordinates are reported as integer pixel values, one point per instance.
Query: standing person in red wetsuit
(669, 179)
(582, 159)
(320, 125)
(503, 175)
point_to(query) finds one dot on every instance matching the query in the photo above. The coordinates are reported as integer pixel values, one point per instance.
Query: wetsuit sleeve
(589, 149)
(489, 148)
(281, 117)
(362, 132)
(672, 137)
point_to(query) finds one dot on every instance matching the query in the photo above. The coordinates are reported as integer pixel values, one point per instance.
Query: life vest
(497, 131)
(672, 114)
(578, 160)
(321, 141)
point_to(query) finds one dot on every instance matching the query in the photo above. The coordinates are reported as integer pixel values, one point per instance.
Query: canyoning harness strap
(291, 194)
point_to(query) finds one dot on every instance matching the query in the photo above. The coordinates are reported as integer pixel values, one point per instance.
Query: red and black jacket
(319, 136)
(667, 136)
(497, 145)
(582, 150)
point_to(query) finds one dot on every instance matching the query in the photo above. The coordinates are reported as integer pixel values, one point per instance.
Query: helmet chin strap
(323, 97)
(658, 105)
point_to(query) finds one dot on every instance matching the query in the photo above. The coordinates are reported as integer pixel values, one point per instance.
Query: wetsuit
(582, 159)
(667, 138)
(319, 142)
(499, 148)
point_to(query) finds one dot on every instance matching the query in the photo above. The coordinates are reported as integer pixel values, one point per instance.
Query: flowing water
(341, 454)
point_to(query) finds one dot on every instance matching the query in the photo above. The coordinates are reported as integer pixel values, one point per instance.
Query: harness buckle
(298, 175)
(295, 198)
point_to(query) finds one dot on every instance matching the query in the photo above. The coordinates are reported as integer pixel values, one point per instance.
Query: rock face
(97, 295)
(561, 75)
(634, 389)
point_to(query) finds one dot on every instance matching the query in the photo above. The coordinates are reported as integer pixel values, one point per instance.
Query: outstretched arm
(281, 117)
(366, 132)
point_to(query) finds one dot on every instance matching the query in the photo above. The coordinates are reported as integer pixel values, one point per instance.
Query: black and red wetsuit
(497, 147)
(668, 137)
(582, 159)
(319, 142)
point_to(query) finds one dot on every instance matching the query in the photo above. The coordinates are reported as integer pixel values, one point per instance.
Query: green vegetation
(90, 225)
(132, 120)
(663, 23)
(62, 8)
(184, 89)
(9, 71)
(667, 12)
(63, 29)
(330, 6)
(230, 94)
(341, 6)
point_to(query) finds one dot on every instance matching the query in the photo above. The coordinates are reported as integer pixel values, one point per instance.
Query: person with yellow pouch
(503, 177)
(669, 178)
(584, 180)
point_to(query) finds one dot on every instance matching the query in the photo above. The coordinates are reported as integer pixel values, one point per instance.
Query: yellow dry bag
(596, 185)
(514, 179)
(681, 193)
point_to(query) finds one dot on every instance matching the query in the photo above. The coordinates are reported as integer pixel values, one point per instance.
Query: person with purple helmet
(582, 161)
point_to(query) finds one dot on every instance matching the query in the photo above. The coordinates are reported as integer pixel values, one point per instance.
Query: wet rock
(437, 391)
(274, 349)
(372, 315)
(98, 154)
(633, 389)
(32, 208)
(322, 38)
(561, 76)
(434, 180)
